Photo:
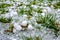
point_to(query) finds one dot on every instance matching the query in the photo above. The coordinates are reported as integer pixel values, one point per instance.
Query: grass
(10, 29)
(38, 10)
(3, 11)
(32, 38)
(5, 20)
(50, 0)
(33, 2)
(56, 5)
(39, 19)
(29, 38)
(49, 22)
(4, 5)
(26, 11)
(38, 38)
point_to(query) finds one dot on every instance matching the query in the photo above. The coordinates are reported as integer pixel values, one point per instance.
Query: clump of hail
(30, 27)
(24, 24)
(44, 10)
(43, 14)
(17, 26)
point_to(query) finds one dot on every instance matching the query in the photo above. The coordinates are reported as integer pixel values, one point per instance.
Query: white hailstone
(14, 39)
(12, 13)
(14, 30)
(24, 6)
(36, 14)
(44, 10)
(48, 9)
(25, 16)
(58, 38)
(30, 27)
(58, 11)
(10, 9)
(46, 4)
(7, 15)
(26, 3)
(34, 6)
(43, 14)
(42, 4)
(52, 6)
(24, 23)
(17, 26)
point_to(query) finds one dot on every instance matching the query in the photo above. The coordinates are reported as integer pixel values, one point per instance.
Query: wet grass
(3, 11)
(3, 8)
(38, 38)
(4, 5)
(27, 11)
(32, 38)
(10, 28)
(56, 5)
(49, 22)
(5, 20)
